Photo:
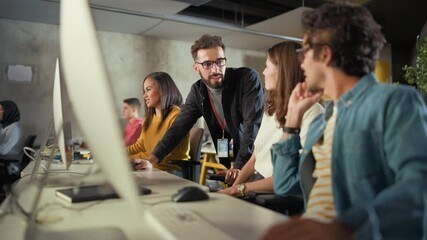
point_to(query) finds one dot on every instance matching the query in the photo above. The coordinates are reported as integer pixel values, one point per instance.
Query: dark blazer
(243, 106)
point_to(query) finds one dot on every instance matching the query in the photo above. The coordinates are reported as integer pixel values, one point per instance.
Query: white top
(270, 133)
(11, 139)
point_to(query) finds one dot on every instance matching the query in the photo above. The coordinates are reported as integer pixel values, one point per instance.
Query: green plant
(417, 74)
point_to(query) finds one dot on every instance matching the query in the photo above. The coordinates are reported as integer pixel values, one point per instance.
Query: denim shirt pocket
(364, 154)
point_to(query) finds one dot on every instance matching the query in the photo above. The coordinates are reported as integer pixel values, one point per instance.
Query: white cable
(29, 155)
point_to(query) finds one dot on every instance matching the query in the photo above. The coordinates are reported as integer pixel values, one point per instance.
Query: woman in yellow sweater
(162, 105)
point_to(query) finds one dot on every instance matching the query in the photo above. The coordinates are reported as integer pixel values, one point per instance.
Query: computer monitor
(59, 120)
(39, 155)
(91, 96)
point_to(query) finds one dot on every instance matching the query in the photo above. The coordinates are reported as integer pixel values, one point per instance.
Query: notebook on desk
(91, 193)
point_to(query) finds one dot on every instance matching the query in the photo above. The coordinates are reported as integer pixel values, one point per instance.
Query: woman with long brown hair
(282, 73)
(162, 105)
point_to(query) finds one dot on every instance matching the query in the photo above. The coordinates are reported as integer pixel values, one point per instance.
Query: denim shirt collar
(347, 99)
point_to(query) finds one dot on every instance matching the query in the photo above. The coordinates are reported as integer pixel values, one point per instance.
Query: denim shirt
(379, 160)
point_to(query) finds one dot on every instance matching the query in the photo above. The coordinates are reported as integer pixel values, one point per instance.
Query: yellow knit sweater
(148, 140)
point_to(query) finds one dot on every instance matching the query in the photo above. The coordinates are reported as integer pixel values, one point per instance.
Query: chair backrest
(196, 139)
(20, 160)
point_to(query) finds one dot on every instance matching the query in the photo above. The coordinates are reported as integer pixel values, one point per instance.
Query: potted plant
(417, 74)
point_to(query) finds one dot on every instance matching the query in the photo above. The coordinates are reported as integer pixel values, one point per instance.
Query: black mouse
(187, 194)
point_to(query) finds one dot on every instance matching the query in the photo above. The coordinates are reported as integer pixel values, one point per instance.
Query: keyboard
(182, 224)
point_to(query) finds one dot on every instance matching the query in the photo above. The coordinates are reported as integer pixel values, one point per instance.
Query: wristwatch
(291, 130)
(242, 188)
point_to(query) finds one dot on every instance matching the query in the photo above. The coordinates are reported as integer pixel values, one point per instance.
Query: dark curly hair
(284, 56)
(351, 32)
(206, 41)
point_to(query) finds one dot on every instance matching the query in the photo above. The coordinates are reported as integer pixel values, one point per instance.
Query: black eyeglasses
(302, 51)
(220, 62)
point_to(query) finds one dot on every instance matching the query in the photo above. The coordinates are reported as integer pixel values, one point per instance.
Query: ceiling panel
(162, 7)
(155, 17)
(123, 23)
(288, 24)
(30, 10)
(181, 31)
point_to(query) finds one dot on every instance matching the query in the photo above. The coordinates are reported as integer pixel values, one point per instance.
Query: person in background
(282, 72)
(363, 168)
(11, 134)
(130, 111)
(231, 101)
(162, 106)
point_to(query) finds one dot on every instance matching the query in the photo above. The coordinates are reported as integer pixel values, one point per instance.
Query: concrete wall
(128, 59)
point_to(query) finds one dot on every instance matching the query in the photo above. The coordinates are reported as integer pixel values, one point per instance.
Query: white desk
(80, 166)
(238, 218)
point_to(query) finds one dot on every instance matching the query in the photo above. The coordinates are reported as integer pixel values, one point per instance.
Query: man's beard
(217, 85)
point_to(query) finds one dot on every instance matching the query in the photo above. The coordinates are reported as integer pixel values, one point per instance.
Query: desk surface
(238, 218)
(78, 166)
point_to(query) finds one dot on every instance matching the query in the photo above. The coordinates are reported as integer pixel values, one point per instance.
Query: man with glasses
(363, 168)
(231, 100)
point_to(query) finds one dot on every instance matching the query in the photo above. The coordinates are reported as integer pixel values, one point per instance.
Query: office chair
(209, 162)
(187, 166)
(291, 204)
(288, 205)
(21, 159)
(9, 174)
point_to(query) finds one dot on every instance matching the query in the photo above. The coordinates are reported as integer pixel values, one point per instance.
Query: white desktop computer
(58, 129)
(91, 96)
(61, 129)
(92, 102)
(44, 151)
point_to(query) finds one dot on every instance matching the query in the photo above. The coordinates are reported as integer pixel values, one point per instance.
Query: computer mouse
(188, 194)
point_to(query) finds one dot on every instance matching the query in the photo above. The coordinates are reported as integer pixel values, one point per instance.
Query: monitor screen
(91, 96)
